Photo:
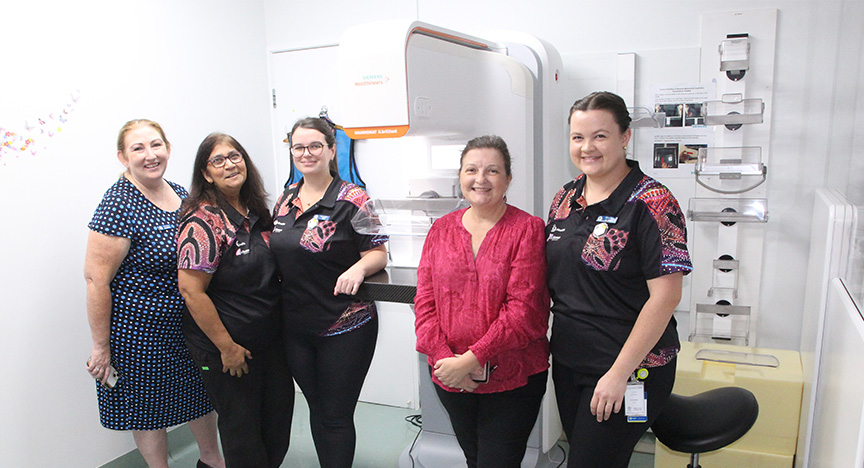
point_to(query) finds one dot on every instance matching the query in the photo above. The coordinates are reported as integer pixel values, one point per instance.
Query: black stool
(708, 421)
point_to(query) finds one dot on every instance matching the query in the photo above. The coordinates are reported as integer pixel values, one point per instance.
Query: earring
(625, 147)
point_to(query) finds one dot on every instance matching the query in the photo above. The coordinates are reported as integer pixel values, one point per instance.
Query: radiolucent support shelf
(728, 210)
(730, 170)
(733, 111)
(725, 280)
(722, 322)
(737, 357)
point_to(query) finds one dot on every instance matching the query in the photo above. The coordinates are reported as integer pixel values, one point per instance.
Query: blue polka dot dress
(159, 384)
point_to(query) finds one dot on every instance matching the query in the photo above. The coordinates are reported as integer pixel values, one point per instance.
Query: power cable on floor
(416, 420)
(563, 456)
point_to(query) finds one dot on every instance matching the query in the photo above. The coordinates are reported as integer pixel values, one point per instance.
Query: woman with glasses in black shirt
(330, 334)
(227, 276)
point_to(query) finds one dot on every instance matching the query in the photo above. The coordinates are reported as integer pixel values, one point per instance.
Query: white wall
(200, 65)
(194, 66)
(817, 125)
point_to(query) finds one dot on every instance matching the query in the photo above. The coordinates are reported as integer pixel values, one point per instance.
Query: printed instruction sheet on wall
(676, 146)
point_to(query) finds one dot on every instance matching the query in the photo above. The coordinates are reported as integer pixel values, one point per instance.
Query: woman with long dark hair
(232, 325)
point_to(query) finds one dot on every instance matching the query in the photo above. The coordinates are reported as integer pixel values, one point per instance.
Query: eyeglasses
(315, 149)
(219, 160)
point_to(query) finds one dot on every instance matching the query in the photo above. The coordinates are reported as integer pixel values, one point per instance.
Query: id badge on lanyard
(635, 398)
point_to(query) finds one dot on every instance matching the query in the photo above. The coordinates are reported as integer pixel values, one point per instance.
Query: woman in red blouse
(482, 311)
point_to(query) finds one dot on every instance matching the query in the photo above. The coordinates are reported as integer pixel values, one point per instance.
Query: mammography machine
(414, 94)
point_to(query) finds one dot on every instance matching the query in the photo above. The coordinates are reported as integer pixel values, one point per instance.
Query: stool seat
(708, 421)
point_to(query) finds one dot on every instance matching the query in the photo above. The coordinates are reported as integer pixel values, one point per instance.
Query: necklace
(309, 199)
(312, 193)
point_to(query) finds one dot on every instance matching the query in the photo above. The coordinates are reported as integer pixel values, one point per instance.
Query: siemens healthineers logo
(372, 80)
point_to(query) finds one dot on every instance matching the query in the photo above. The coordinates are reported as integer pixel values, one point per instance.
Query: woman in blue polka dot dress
(135, 309)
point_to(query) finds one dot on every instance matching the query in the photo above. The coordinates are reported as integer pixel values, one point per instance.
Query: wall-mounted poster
(682, 104)
(675, 148)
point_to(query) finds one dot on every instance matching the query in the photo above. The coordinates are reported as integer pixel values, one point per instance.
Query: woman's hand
(234, 360)
(452, 371)
(350, 281)
(468, 384)
(665, 293)
(609, 395)
(193, 286)
(371, 261)
(99, 362)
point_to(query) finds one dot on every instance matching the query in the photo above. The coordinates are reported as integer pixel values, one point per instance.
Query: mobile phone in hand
(481, 374)
(113, 376)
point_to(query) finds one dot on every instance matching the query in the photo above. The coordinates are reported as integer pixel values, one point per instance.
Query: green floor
(382, 435)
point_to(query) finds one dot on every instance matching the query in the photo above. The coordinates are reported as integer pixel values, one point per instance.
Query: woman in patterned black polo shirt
(616, 249)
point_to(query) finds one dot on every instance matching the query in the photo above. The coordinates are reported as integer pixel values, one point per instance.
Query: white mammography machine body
(415, 94)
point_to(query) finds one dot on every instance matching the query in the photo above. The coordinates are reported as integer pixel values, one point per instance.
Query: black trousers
(493, 428)
(255, 410)
(607, 444)
(330, 370)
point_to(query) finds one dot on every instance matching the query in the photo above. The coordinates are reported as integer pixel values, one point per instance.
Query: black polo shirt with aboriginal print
(599, 260)
(244, 287)
(312, 249)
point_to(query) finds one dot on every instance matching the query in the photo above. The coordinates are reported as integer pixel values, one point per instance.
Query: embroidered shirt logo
(240, 249)
(315, 238)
